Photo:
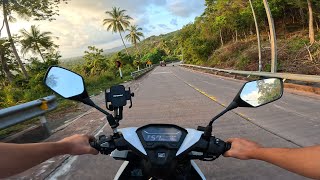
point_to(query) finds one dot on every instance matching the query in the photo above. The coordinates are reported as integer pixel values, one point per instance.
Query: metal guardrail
(23, 112)
(297, 77)
(137, 74)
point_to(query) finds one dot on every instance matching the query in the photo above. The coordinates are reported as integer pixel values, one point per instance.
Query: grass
(297, 44)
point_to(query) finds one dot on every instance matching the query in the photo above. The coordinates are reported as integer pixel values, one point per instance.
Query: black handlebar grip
(227, 146)
(94, 144)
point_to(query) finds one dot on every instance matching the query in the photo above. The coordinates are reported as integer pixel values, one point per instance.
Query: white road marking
(63, 169)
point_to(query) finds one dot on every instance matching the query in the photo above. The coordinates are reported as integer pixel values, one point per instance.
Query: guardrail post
(44, 124)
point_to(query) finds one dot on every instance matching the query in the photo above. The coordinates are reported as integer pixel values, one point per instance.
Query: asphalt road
(180, 96)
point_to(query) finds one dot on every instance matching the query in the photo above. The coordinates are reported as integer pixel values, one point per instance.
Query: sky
(80, 22)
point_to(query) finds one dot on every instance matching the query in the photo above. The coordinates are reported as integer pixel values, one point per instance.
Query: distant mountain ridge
(105, 52)
(115, 49)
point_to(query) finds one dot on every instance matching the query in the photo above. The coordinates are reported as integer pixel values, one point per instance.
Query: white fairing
(192, 137)
(195, 166)
(130, 135)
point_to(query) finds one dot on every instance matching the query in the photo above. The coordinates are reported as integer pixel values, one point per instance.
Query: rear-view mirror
(65, 83)
(261, 92)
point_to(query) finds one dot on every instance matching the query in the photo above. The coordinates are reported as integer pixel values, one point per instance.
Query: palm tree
(5, 7)
(117, 22)
(35, 40)
(134, 35)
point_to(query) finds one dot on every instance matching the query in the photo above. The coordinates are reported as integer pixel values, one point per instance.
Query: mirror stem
(230, 107)
(208, 130)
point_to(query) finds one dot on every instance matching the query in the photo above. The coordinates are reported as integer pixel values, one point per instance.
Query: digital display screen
(161, 134)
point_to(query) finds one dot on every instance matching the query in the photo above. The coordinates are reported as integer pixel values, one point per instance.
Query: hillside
(293, 55)
(224, 36)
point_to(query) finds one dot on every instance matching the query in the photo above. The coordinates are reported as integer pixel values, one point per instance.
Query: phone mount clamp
(116, 99)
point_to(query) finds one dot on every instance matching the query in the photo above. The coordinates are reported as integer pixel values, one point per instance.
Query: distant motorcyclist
(304, 161)
(16, 158)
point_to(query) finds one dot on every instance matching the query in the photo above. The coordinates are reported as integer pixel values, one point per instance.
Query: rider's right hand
(78, 144)
(242, 149)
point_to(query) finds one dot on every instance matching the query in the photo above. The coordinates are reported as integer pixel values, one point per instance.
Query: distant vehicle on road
(163, 63)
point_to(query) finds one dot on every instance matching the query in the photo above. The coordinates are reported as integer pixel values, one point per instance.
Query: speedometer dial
(161, 134)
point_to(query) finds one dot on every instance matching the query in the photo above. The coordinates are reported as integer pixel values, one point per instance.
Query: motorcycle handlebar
(228, 146)
(218, 147)
(94, 144)
(104, 145)
(212, 148)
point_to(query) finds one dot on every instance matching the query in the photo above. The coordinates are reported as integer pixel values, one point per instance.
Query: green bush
(171, 58)
(242, 62)
(296, 44)
(128, 69)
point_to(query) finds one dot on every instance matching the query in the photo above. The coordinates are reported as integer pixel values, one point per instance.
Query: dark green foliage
(155, 56)
(22, 90)
(36, 9)
(95, 62)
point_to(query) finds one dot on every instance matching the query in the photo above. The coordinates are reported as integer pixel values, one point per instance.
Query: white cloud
(251, 97)
(185, 8)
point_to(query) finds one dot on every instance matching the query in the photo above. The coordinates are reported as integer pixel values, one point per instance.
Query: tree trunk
(284, 26)
(1, 27)
(14, 50)
(273, 39)
(293, 20)
(236, 35)
(317, 25)
(258, 34)
(124, 43)
(5, 68)
(138, 50)
(311, 29)
(40, 53)
(221, 39)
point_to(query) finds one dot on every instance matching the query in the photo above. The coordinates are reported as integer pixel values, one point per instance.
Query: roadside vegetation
(224, 36)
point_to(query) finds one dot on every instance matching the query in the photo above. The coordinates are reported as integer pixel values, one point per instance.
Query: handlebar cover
(218, 146)
(94, 144)
(104, 145)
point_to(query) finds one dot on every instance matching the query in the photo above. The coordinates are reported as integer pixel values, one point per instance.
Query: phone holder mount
(116, 99)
